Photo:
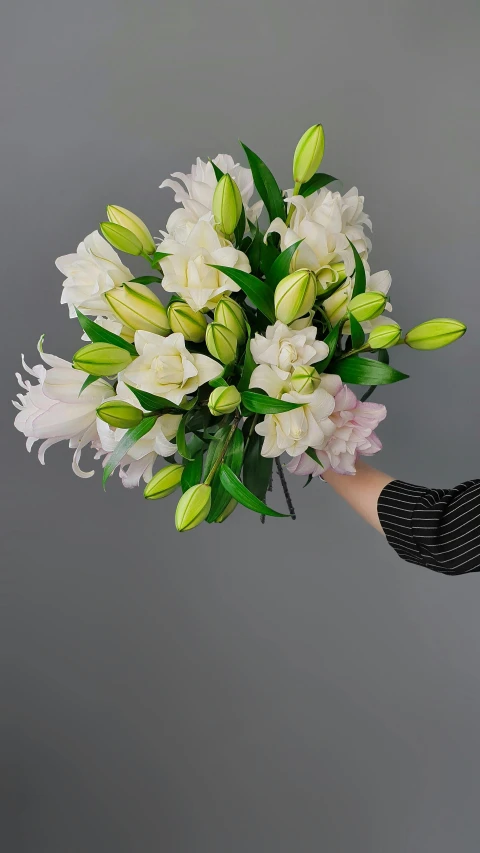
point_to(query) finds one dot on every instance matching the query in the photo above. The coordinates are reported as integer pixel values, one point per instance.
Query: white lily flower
(325, 222)
(187, 270)
(53, 410)
(94, 269)
(279, 352)
(141, 457)
(166, 368)
(197, 194)
(295, 431)
(337, 304)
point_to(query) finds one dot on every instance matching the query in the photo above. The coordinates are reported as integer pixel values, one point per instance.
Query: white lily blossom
(196, 195)
(91, 271)
(279, 351)
(295, 431)
(166, 368)
(52, 410)
(325, 222)
(141, 457)
(187, 270)
(337, 304)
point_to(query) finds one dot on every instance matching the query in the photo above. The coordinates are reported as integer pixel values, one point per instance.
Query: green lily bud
(190, 323)
(328, 275)
(229, 313)
(308, 154)
(226, 205)
(164, 482)
(119, 414)
(101, 359)
(383, 337)
(227, 511)
(133, 223)
(435, 334)
(367, 305)
(224, 400)
(221, 343)
(193, 507)
(305, 379)
(295, 295)
(138, 307)
(121, 238)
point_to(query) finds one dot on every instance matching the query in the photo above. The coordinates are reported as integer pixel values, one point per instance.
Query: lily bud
(229, 313)
(138, 307)
(335, 305)
(221, 343)
(435, 334)
(193, 507)
(101, 359)
(121, 238)
(226, 205)
(383, 337)
(119, 414)
(224, 400)
(227, 511)
(192, 324)
(295, 295)
(305, 379)
(328, 275)
(367, 305)
(164, 482)
(308, 154)
(133, 223)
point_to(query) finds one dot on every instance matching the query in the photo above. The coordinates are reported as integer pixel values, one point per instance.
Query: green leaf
(240, 229)
(127, 441)
(158, 256)
(315, 183)
(254, 251)
(330, 290)
(383, 356)
(266, 185)
(309, 480)
(152, 403)
(365, 371)
(360, 276)
(219, 382)
(99, 335)
(88, 381)
(192, 474)
(263, 405)
(181, 439)
(331, 340)
(281, 266)
(357, 333)
(249, 366)
(268, 255)
(311, 452)
(237, 490)
(233, 458)
(218, 172)
(257, 469)
(257, 291)
(145, 279)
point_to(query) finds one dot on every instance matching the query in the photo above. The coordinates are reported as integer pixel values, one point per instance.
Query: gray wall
(292, 687)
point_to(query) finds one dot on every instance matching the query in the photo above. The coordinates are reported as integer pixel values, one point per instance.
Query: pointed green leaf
(158, 256)
(218, 172)
(237, 490)
(331, 340)
(192, 474)
(233, 458)
(266, 185)
(315, 183)
(152, 403)
(263, 405)
(145, 279)
(249, 366)
(360, 275)
(365, 371)
(356, 332)
(383, 356)
(127, 441)
(88, 381)
(240, 229)
(181, 439)
(257, 291)
(257, 469)
(99, 335)
(313, 455)
(281, 266)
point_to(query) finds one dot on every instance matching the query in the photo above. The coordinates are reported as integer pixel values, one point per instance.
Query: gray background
(239, 688)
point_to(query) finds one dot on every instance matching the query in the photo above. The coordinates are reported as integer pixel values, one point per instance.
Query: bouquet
(251, 357)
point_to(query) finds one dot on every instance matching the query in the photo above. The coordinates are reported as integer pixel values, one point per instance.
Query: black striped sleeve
(435, 528)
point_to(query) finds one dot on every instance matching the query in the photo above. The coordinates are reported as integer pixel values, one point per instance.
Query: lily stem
(221, 456)
(296, 191)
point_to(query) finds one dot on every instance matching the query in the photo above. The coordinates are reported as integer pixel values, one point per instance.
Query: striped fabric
(436, 528)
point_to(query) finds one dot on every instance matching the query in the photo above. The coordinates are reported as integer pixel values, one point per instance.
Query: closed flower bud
(305, 379)
(119, 414)
(139, 308)
(224, 400)
(101, 359)
(122, 216)
(308, 154)
(383, 337)
(226, 205)
(164, 482)
(221, 343)
(229, 314)
(435, 334)
(367, 305)
(121, 238)
(227, 511)
(193, 507)
(295, 295)
(192, 324)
